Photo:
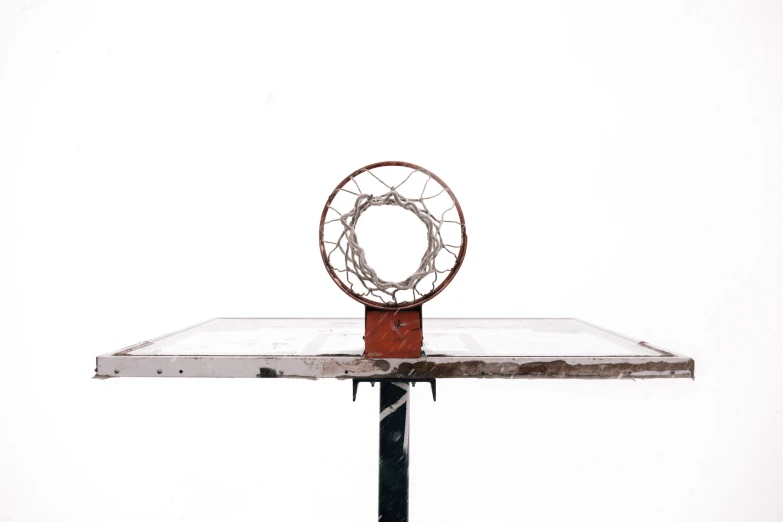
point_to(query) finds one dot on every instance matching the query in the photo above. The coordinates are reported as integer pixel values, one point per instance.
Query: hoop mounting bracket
(392, 334)
(411, 381)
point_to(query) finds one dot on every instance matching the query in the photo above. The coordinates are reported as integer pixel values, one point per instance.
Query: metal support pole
(393, 464)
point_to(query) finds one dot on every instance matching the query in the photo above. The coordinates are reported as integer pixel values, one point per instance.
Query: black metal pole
(393, 464)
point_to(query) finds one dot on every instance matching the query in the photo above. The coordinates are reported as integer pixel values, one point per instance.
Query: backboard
(453, 348)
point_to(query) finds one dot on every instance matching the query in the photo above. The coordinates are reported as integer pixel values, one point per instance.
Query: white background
(166, 162)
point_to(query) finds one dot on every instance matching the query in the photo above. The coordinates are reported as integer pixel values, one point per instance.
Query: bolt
(160, 371)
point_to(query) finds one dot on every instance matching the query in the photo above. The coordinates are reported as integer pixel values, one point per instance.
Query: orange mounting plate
(392, 334)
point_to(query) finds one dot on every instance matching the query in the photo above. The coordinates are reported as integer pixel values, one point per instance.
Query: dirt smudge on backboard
(483, 368)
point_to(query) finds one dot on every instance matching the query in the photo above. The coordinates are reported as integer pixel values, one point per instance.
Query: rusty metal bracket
(355, 383)
(392, 334)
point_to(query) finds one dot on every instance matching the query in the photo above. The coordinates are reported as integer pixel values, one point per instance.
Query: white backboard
(453, 348)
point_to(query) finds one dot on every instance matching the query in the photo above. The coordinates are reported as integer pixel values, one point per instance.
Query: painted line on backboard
(471, 343)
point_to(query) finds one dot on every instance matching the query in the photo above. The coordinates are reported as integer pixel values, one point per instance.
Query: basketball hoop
(411, 188)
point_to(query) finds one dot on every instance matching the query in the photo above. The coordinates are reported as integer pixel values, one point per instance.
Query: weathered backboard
(453, 348)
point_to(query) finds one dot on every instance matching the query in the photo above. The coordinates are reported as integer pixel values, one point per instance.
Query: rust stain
(429, 369)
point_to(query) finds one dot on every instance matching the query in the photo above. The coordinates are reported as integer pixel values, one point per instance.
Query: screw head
(160, 371)
(116, 372)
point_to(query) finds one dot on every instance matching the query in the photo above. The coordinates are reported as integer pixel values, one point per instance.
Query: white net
(410, 189)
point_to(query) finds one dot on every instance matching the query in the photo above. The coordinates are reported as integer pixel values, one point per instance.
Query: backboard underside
(453, 348)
